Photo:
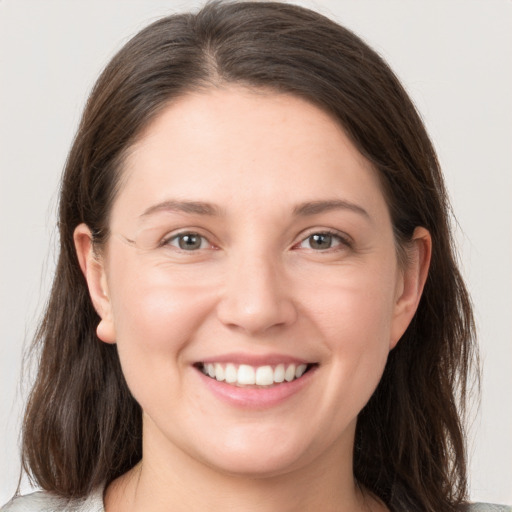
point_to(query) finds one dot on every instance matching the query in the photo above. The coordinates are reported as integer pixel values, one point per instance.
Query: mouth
(247, 376)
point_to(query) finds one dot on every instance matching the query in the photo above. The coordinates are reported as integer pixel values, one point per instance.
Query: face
(250, 282)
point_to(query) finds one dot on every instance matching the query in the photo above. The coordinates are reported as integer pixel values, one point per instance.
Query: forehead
(237, 146)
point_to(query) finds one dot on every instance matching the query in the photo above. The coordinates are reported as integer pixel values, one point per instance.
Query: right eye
(188, 241)
(324, 241)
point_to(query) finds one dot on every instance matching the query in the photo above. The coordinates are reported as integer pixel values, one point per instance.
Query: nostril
(254, 316)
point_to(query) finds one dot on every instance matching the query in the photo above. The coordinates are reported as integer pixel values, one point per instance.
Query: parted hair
(82, 426)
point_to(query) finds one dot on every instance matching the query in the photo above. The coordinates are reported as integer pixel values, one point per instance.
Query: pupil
(189, 242)
(320, 241)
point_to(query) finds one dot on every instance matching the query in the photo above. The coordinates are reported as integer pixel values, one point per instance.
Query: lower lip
(256, 398)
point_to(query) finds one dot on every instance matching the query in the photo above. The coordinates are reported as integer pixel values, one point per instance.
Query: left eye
(188, 241)
(321, 241)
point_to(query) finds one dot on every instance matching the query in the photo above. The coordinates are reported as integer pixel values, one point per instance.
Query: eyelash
(342, 239)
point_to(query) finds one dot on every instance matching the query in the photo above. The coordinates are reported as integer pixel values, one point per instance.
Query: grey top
(44, 502)
(488, 507)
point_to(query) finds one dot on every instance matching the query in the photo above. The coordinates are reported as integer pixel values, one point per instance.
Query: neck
(172, 480)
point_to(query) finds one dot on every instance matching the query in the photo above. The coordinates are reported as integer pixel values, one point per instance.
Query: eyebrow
(193, 207)
(317, 207)
(302, 210)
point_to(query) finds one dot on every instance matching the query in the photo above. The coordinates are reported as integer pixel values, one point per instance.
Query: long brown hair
(82, 427)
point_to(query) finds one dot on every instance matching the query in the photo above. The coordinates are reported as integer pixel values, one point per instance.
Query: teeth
(219, 372)
(299, 372)
(246, 375)
(264, 376)
(231, 373)
(289, 374)
(279, 373)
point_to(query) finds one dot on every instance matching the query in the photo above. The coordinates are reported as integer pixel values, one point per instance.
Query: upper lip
(255, 359)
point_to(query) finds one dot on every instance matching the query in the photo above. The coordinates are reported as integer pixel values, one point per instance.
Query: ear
(93, 268)
(410, 287)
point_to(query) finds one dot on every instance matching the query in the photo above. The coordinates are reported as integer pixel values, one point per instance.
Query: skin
(256, 287)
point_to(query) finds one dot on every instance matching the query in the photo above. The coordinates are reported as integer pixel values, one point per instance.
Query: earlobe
(94, 272)
(414, 276)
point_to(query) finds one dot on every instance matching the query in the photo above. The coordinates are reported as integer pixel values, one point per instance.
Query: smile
(243, 375)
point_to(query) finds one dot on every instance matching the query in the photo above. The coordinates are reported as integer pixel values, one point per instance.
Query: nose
(255, 296)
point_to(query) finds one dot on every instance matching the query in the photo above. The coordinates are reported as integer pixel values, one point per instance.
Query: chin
(260, 455)
(257, 467)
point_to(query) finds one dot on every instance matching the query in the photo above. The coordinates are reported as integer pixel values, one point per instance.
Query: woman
(256, 304)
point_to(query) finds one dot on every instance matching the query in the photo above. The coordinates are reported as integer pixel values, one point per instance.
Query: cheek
(357, 329)
(355, 303)
(155, 318)
(154, 305)
(353, 312)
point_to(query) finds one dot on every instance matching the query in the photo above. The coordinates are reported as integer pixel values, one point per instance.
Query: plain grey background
(453, 56)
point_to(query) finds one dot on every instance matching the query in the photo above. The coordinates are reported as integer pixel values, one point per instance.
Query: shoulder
(487, 507)
(42, 501)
